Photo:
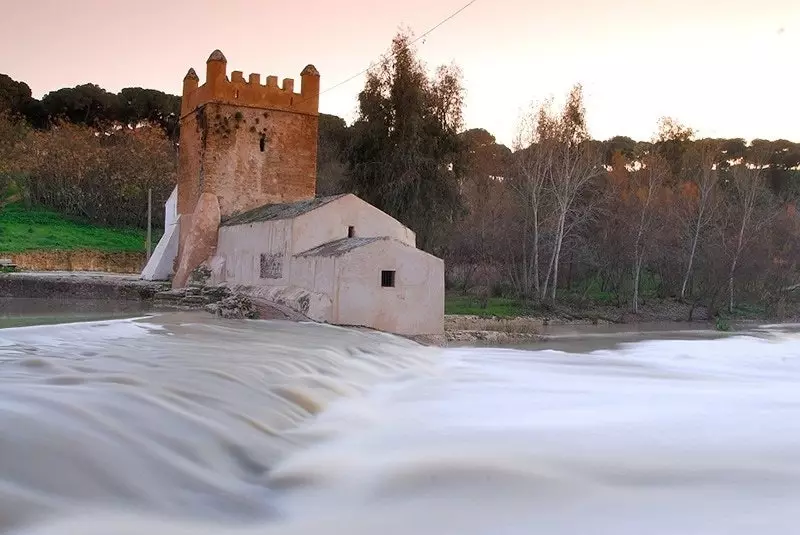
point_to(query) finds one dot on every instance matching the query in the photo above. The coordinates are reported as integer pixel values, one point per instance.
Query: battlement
(251, 92)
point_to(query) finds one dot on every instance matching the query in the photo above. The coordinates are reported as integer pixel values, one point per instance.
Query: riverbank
(239, 303)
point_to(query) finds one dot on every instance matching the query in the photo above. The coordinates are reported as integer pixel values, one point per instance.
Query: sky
(725, 68)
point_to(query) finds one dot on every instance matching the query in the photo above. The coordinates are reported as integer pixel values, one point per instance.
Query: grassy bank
(39, 230)
(650, 310)
(500, 307)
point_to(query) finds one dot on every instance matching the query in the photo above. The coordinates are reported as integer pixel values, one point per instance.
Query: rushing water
(179, 424)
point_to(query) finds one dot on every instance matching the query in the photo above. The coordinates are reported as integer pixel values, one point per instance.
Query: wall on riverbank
(78, 260)
(78, 286)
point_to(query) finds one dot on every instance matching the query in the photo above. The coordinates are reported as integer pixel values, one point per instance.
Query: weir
(184, 424)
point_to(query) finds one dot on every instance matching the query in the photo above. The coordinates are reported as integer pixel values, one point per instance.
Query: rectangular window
(351, 232)
(387, 279)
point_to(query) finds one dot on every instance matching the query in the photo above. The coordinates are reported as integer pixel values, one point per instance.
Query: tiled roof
(340, 247)
(272, 212)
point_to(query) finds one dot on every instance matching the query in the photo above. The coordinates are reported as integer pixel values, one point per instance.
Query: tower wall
(247, 143)
(222, 154)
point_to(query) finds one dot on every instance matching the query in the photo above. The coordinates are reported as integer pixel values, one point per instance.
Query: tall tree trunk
(557, 255)
(546, 280)
(536, 247)
(735, 261)
(692, 252)
(525, 270)
(638, 255)
(637, 269)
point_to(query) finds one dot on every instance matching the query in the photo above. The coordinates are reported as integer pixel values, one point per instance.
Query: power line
(428, 32)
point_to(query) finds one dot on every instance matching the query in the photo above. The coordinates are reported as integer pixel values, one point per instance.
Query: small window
(262, 143)
(387, 279)
(351, 232)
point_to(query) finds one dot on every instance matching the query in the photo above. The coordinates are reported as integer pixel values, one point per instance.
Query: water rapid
(180, 424)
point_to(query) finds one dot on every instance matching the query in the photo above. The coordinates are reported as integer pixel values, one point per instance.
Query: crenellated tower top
(250, 92)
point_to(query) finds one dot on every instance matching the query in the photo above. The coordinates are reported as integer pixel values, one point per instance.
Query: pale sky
(726, 68)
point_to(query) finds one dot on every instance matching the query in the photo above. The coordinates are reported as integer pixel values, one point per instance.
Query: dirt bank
(232, 303)
(78, 260)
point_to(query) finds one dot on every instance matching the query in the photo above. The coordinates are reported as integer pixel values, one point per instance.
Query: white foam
(367, 433)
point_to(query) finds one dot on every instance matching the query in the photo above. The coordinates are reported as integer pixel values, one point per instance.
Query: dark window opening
(271, 266)
(387, 279)
(351, 232)
(262, 143)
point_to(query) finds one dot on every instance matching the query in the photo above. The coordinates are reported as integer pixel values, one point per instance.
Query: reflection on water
(19, 312)
(182, 423)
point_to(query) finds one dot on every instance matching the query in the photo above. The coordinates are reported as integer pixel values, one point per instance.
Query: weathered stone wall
(247, 143)
(226, 157)
(79, 260)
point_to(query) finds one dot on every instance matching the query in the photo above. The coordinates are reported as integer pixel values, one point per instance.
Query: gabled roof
(272, 212)
(340, 247)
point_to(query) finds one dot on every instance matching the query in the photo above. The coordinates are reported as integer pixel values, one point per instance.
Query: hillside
(29, 230)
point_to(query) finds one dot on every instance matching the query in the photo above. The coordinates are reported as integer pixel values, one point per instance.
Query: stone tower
(244, 143)
(247, 143)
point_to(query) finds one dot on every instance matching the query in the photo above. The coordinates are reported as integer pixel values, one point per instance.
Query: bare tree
(701, 209)
(534, 156)
(645, 192)
(555, 161)
(572, 163)
(748, 189)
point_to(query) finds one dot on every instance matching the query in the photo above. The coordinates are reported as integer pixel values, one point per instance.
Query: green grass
(495, 306)
(28, 230)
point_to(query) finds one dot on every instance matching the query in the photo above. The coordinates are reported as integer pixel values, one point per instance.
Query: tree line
(558, 217)
(88, 153)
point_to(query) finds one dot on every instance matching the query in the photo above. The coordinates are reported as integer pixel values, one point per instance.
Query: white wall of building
(241, 247)
(414, 306)
(343, 288)
(171, 209)
(330, 222)
(162, 261)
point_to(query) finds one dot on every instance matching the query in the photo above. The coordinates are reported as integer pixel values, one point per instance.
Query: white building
(336, 259)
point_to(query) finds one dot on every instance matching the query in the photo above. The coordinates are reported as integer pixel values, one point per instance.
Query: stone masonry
(247, 143)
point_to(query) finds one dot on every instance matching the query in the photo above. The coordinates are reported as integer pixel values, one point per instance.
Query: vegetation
(404, 149)
(26, 230)
(557, 219)
(501, 307)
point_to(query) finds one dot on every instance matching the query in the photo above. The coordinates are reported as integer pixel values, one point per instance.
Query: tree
(747, 193)
(86, 104)
(671, 142)
(573, 161)
(472, 249)
(332, 144)
(100, 177)
(530, 171)
(700, 200)
(135, 105)
(405, 155)
(555, 162)
(647, 185)
(14, 96)
(12, 131)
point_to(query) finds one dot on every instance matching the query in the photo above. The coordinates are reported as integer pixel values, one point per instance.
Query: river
(180, 423)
